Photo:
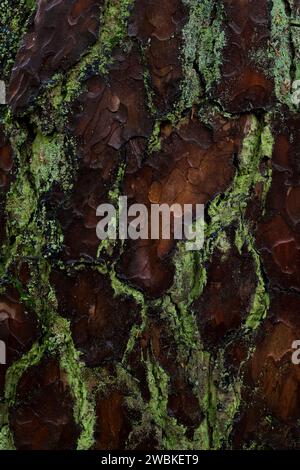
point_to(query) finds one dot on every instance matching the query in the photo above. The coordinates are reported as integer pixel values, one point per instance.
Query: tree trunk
(143, 344)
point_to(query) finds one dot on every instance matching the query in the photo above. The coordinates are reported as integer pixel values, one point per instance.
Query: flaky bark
(144, 345)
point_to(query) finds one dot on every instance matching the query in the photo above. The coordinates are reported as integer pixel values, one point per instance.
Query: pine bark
(144, 345)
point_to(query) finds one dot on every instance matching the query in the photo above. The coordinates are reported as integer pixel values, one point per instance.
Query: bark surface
(144, 345)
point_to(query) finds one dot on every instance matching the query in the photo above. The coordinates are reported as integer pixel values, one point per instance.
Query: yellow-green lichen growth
(84, 407)
(261, 299)
(21, 203)
(204, 40)
(14, 19)
(48, 163)
(112, 31)
(6, 439)
(280, 51)
(172, 434)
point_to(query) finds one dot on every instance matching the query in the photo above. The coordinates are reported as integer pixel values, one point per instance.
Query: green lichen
(29, 226)
(126, 383)
(280, 51)
(84, 408)
(267, 139)
(266, 150)
(261, 300)
(17, 369)
(295, 31)
(12, 378)
(107, 245)
(230, 207)
(48, 163)
(115, 191)
(172, 434)
(21, 203)
(219, 404)
(50, 112)
(223, 244)
(176, 305)
(112, 32)
(6, 439)
(122, 289)
(30, 234)
(39, 168)
(154, 144)
(58, 341)
(222, 403)
(31, 4)
(14, 20)
(177, 310)
(114, 24)
(147, 84)
(204, 40)
(183, 325)
(224, 212)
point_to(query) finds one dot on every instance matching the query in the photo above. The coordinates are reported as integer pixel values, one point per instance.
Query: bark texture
(144, 345)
